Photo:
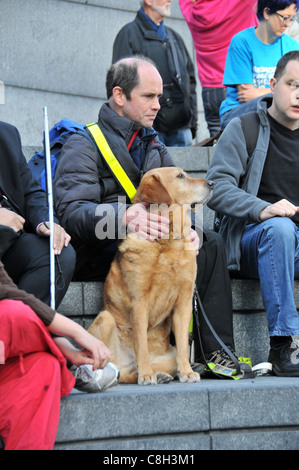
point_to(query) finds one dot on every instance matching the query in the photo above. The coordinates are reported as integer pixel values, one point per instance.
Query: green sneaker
(221, 363)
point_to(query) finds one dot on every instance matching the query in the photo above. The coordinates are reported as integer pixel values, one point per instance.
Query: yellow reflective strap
(111, 160)
(247, 360)
(225, 371)
(191, 325)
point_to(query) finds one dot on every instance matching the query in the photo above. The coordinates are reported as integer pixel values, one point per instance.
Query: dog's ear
(153, 191)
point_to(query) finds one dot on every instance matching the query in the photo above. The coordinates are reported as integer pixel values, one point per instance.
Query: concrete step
(260, 413)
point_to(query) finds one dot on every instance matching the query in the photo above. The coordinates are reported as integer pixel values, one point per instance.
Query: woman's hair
(273, 6)
(124, 73)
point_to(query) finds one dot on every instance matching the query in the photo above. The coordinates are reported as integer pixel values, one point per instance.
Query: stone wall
(55, 53)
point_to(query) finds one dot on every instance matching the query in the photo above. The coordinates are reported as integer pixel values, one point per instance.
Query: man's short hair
(124, 73)
(273, 6)
(283, 61)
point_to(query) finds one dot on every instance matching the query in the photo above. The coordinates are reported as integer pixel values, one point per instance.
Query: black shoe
(285, 359)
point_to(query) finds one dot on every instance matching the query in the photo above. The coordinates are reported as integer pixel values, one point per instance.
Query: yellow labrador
(149, 288)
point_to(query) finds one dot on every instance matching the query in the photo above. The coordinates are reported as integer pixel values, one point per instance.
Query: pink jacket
(213, 23)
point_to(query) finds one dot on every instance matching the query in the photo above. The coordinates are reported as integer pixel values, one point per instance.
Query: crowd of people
(249, 71)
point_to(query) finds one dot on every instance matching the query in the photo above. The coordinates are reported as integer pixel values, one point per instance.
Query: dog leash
(198, 304)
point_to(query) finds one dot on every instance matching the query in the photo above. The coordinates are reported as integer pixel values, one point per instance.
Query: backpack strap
(250, 124)
(111, 160)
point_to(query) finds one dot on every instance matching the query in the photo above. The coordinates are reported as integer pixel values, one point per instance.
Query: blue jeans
(238, 110)
(270, 252)
(180, 138)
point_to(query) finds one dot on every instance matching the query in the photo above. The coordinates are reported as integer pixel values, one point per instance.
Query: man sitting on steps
(259, 200)
(86, 194)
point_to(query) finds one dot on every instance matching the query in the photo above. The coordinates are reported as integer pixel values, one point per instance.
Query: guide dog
(149, 288)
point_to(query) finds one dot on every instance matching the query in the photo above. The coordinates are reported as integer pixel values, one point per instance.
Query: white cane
(50, 205)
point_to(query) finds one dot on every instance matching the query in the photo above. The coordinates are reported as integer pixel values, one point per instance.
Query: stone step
(211, 415)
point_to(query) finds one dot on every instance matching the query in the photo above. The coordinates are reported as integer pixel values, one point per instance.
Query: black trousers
(214, 287)
(213, 283)
(27, 262)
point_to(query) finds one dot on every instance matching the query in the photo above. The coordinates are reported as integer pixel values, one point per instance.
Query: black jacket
(85, 190)
(17, 182)
(137, 38)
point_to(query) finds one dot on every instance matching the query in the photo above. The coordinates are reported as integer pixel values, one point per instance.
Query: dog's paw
(190, 377)
(147, 380)
(164, 378)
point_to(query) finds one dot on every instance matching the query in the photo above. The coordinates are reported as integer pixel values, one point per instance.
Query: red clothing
(33, 378)
(213, 23)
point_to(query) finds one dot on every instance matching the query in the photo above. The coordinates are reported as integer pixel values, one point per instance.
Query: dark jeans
(27, 262)
(180, 138)
(212, 99)
(238, 111)
(213, 284)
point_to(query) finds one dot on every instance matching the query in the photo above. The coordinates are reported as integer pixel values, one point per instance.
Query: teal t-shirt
(249, 60)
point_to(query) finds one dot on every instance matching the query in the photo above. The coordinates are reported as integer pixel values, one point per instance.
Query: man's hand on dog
(195, 239)
(146, 224)
(151, 226)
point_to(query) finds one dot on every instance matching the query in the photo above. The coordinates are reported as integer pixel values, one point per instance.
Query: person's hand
(93, 351)
(61, 238)
(282, 208)
(11, 219)
(146, 224)
(195, 240)
(247, 92)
